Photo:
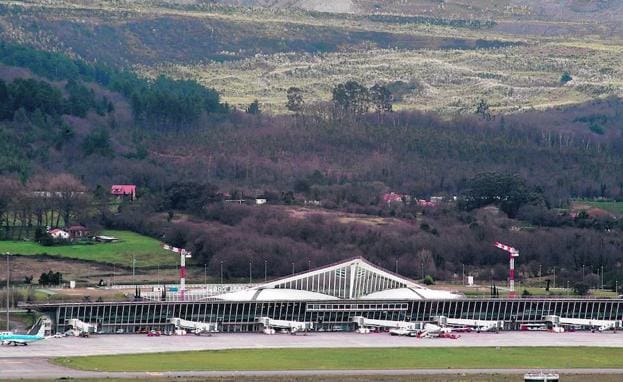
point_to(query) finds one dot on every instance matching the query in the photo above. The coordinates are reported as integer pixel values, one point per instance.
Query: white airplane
(9, 338)
(436, 331)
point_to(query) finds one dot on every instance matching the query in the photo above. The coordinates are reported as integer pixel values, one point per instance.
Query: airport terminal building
(329, 297)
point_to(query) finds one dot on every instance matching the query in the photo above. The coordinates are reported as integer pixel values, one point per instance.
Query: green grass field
(146, 250)
(614, 207)
(352, 358)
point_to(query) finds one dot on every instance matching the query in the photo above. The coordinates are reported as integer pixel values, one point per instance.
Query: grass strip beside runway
(355, 358)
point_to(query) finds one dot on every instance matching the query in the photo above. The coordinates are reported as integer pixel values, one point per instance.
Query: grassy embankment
(351, 358)
(538, 292)
(146, 250)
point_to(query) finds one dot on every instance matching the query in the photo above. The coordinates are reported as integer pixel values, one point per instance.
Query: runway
(39, 368)
(18, 362)
(140, 343)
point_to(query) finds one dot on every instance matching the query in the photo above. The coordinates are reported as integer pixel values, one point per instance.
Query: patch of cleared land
(593, 207)
(146, 250)
(449, 81)
(361, 359)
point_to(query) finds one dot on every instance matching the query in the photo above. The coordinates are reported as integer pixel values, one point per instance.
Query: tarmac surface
(31, 361)
(141, 343)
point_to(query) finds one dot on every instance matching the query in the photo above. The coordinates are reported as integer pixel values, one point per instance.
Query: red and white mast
(183, 255)
(512, 252)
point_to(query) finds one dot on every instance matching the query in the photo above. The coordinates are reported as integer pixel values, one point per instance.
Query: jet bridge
(478, 325)
(80, 328)
(600, 325)
(195, 327)
(364, 324)
(292, 326)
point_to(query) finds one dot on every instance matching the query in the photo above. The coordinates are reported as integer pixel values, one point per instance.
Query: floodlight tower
(512, 252)
(184, 254)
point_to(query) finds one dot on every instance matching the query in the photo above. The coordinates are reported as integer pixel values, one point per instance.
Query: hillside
(441, 58)
(509, 117)
(568, 152)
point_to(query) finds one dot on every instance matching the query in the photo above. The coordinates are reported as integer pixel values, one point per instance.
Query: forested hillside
(324, 115)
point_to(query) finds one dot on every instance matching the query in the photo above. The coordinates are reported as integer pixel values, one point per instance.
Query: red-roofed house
(124, 190)
(392, 197)
(77, 231)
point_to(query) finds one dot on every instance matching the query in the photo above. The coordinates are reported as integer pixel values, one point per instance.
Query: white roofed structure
(348, 280)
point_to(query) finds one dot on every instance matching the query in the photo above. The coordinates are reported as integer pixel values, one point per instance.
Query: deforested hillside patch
(510, 79)
(136, 38)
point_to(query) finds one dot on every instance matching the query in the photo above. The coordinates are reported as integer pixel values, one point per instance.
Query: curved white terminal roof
(253, 294)
(348, 280)
(410, 294)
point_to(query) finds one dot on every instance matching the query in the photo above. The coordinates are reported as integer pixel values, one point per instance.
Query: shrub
(428, 280)
(580, 289)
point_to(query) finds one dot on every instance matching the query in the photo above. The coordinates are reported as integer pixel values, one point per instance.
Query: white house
(58, 233)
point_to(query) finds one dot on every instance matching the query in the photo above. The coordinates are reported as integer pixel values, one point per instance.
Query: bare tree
(69, 196)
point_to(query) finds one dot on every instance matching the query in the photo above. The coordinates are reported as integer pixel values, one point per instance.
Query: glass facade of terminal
(130, 317)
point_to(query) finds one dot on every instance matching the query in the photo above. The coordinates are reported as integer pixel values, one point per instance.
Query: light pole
(582, 272)
(265, 270)
(463, 274)
(205, 274)
(554, 277)
(133, 270)
(250, 272)
(396, 272)
(308, 265)
(8, 286)
(293, 268)
(568, 291)
(221, 272)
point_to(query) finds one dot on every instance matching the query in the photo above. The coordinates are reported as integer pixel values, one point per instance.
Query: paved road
(39, 368)
(125, 344)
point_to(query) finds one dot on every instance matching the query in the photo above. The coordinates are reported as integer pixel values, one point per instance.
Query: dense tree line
(438, 242)
(162, 100)
(31, 95)
(43, 201)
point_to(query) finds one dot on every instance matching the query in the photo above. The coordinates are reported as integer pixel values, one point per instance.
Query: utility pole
(8, 292)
